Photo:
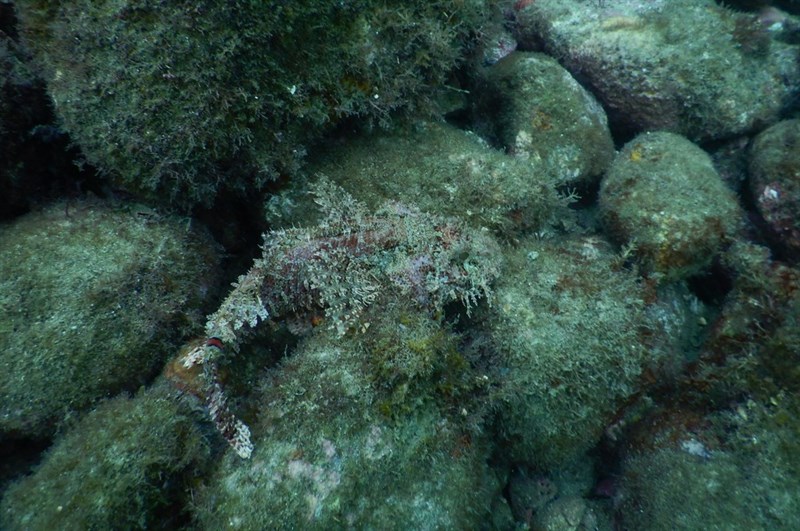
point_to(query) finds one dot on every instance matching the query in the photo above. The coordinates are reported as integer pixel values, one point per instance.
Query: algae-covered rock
(775, 182)
(663, 197)
(528, 493)
(673, 489)
(94, 299)
(181, 100)
(364, 432)
(689, 464)
(734, 470)
(753, 347)
(438, 168)
(543, 115)
(567, 324)
(123, 466)
(570, 514)
(692, 67)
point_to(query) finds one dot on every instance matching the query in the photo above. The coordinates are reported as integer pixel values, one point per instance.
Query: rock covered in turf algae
(775, 181)
(182, 99)
(690, 67)
(438, 168)
(118, 468)
(94, 298)
(544, 116)
(663, 196)
(567, 324)
(754, 346)
(689, 464)
(365, 432)
(570, 514)
(734, 470)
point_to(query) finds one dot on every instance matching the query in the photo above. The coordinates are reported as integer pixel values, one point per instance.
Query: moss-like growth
(663, 196)
(438, 168)
(184, 99)
(367, 431)
(124, 466)
(94, 299)
(692, 67)
(567, 325)
(543, 115)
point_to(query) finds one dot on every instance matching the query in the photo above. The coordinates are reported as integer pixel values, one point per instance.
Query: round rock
(542, 114)
(775, 181)
(663, 197)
